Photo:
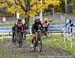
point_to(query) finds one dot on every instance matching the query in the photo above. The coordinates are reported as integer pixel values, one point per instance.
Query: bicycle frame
(18, 38)
(37, 39)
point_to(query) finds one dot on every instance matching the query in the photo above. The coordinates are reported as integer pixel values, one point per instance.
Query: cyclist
(18, 26)
(13, 33)
(69, 25)
(35, 27)
(45, 25)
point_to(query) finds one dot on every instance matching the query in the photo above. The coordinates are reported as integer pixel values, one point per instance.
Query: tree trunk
(27, 23)
(27, 16)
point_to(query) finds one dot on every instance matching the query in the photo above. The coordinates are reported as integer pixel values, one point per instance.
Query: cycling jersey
(36, 27)
(19, 26)
(45, 24)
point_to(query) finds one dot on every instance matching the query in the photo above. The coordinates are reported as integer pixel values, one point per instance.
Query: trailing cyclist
(13, 33)
(18, 27)
(69, 25)
(45, 25)
(37, 25)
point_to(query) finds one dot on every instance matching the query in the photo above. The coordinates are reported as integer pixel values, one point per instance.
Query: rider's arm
(72, 24)
(33, 27)
(13, 28)
(41, 26)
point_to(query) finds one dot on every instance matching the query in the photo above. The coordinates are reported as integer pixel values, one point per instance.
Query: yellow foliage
(3, 5)
(16, 9)
(36, 6)
(31, 13)
(11, 1)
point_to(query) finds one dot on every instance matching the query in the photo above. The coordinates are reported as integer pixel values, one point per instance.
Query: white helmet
(46, 19)
(23, 21)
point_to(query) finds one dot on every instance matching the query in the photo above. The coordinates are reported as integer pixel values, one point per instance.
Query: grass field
(6, 24)
(58, 41)
(54, 41)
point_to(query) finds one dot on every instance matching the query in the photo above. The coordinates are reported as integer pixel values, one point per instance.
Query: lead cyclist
(35, 26)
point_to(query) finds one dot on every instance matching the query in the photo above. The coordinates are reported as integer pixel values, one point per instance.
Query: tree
(62, 5)
(35, 6)
(69, 6)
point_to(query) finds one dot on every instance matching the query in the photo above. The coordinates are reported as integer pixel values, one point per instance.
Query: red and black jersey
(46, 24)
(19, 26)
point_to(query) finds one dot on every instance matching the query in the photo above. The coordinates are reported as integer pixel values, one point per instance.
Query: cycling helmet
(46, 19)
(19, 20)
(70, 21)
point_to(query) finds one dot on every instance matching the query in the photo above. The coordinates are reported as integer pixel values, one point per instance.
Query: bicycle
(38, 42)
(44, 31)
(18, 38)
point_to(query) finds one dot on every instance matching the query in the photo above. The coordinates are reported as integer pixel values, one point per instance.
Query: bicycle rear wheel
(39, 46)
(19, 39)
(34, 45)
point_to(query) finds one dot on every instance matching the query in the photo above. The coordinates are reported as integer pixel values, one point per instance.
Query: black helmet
(70, 21)
(19, 20)
(37, 19)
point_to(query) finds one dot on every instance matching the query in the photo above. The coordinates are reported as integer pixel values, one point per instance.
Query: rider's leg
(46, 29)
(39, 39)
(22, 34)
(71, 30)
(13, 37)
(32, 40)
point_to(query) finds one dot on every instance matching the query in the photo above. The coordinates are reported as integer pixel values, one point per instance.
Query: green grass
(6, 24)
(9, 52)
(59, 43)
(50, 41)
(6, 53)
(55, 40)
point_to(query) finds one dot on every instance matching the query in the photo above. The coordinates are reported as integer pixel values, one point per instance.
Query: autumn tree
(14, 6)
(20, 6)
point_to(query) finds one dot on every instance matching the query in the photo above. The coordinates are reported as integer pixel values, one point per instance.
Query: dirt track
(48, 52)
